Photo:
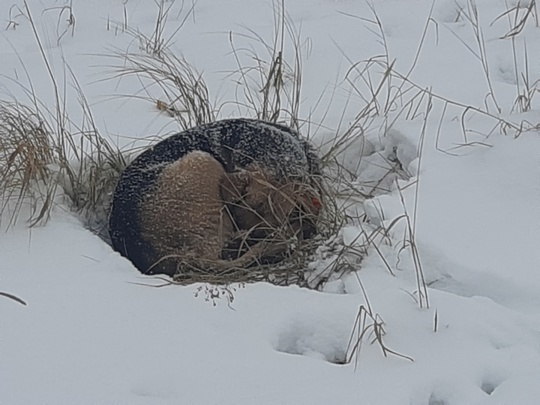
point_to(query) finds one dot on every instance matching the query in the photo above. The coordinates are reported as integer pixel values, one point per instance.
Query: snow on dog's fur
(185, 215)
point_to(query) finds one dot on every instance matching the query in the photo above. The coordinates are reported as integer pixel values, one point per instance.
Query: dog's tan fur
(185, 219)
(185, 213)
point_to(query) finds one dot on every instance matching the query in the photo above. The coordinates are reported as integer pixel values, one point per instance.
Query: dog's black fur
(235, 143)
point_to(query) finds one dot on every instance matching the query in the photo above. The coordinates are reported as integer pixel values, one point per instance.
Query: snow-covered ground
(92, 334)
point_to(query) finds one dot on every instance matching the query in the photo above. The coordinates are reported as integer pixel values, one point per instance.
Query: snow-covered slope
(94, 331)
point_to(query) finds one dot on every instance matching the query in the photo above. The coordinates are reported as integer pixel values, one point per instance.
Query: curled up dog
(219, 196)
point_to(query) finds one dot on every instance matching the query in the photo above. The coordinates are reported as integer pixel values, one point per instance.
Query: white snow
(95, 332)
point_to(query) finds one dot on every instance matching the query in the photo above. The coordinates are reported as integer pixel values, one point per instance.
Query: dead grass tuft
(26, 155)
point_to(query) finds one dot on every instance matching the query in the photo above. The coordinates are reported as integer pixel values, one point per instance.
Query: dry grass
(184, 94)
(389, 95)
(26, 153)
(269, 85)
(518, 17)
(37, 162)
(43, 152)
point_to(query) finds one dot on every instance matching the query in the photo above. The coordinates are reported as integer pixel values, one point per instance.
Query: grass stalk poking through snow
(270, 88)
(367, 324)
(43, 149)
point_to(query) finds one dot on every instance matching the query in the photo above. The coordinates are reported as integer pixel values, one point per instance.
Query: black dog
(235, 143)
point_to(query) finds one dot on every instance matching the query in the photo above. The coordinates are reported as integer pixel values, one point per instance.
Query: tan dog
(185, 219)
